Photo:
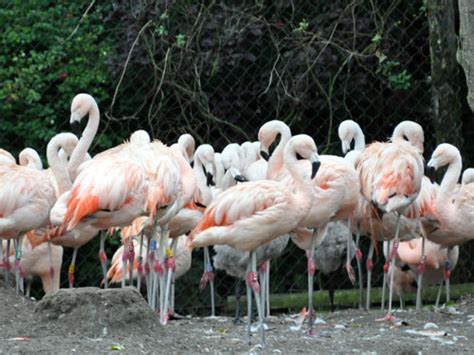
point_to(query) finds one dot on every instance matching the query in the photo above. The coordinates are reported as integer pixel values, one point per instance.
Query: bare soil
(93, 320)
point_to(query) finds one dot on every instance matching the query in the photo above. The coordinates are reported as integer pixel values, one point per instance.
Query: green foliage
(302, 26)
(44, 62)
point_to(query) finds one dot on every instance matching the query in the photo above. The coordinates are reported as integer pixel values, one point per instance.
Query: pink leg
(103, 258)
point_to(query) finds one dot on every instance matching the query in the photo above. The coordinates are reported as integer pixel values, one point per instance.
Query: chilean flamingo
(6, 158)
(26, 197)
(334, 196)
(37, 261)
(391, 176)
(439, 262)
(252, 214)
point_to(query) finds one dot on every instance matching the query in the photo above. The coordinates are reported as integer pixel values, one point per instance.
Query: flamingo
(334, 196)
(439, 262)
(26, 197)
(333, 253)
(467, 176)
(59, 148)
(391, 177)
(30, 158)
(252, 214)
(35, 263)
(6, 158)
(369, 223)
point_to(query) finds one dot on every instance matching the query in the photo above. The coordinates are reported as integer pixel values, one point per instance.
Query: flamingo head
(206, 157)
(347, 132)
(268, 134)
(80, 107)
(443, 155)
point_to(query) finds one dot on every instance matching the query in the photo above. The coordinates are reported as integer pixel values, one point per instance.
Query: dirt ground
(97, 321)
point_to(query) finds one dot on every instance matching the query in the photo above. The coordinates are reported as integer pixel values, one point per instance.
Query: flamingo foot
(351, 273)
(389, 317)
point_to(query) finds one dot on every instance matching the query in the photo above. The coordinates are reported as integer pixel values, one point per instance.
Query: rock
(95, 312)
(430, 326)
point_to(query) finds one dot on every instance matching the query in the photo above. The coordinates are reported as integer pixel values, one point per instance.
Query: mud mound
(95, 312)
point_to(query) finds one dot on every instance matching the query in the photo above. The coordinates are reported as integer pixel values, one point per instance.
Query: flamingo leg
(385, 271)
(390, 317)
(140, 262)
(103, 258)
(208, 276)
(253, 280)
(263, 286)
(238, 295)
(311, 270)
(72, 268)
(170, 266)
(249, 301)
(131, 260)
(359, 257)
(28, 287)
(447, 273)
(19, 271)
(421, 270)
(162, 255)
(7, 264)
(175, 248)
(124, 265)
(267, 288)
(149, 253)
(402, 302)
(50, 260)
(349, 268)
(438, 296)
(331, 290)
(370, 266)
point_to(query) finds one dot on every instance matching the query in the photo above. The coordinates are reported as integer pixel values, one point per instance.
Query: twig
(81, 19)
(126, 63)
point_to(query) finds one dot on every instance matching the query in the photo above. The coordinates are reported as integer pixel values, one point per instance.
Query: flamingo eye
(299, 157)
(405, 138)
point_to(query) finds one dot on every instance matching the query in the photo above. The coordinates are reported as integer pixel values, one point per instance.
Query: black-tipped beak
(209, 180)
(430, 172)
(264, 155)
(76, 128)
(192, 163)
(240, 178)
(314, 168)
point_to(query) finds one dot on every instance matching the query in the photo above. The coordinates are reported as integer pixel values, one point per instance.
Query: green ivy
(47, 55)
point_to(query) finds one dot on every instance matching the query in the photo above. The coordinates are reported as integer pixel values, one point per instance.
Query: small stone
(430, 325)
(339, 326)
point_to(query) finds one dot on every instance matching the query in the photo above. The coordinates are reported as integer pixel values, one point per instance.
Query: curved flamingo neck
(79, 154)
(359, 140)
(276, 162)
(57, 165)
(30, 158)
(448, 184)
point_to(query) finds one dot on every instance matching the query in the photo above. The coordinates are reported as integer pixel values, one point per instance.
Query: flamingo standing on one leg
(390, 177)
(249, 215)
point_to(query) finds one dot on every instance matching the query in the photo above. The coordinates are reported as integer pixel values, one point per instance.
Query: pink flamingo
(59, 148)
(35, 263)
(439, 263)
(391, 176)
(334, 196)
(26, 197)
(454, 204)
(252, 214)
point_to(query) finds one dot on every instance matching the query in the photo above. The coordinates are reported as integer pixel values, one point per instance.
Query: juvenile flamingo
(252, 214)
